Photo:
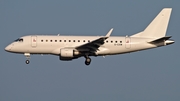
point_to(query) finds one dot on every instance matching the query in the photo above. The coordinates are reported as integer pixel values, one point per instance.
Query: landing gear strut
(27, 55)
(88, 60)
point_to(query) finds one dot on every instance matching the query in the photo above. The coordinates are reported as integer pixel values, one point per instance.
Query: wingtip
(109, 33)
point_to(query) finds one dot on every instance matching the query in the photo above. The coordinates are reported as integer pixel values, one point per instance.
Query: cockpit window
(19, 40)
(16, 40)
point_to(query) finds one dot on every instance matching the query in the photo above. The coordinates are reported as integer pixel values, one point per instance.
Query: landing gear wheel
(27, 61)
(88, 61)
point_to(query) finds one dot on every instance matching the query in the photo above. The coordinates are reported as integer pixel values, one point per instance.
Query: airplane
(73, 47)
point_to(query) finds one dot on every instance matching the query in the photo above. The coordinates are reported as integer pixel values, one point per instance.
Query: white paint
(72, 47)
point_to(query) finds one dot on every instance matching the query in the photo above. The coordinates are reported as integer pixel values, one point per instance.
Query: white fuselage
(53, 44)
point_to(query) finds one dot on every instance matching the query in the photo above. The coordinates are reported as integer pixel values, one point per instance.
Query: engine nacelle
(68, 54)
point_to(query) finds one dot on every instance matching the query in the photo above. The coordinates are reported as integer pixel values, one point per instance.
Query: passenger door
(128, 42)
(34, 41)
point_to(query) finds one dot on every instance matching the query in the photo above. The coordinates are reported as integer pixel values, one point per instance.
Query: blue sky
(151, 75)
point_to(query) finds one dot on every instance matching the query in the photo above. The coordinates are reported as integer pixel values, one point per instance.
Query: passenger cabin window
(51, 40)
(55, 40)
(74, 40)
(41, 40)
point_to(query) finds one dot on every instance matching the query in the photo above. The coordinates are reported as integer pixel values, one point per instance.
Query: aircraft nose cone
(7, 48)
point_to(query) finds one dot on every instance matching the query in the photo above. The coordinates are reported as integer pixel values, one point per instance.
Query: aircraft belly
(141, 46)
(119, 50)
(134, 47)
(102, 51)
(42, 50)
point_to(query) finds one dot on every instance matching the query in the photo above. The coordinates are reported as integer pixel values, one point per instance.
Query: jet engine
(68, 54)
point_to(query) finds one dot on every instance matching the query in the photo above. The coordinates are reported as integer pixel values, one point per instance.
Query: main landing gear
(88, 60)
(27, 55)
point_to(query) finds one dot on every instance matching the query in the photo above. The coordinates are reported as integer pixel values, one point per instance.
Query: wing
(95, 44)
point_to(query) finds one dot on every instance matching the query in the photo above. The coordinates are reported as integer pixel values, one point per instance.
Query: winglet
(109, 33)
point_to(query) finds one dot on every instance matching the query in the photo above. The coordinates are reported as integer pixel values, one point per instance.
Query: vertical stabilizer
(158, 27)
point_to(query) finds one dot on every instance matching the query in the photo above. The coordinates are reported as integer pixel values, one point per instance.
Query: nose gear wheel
(27, 61)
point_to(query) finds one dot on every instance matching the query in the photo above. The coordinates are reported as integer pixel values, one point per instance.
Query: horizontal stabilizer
(160, 39)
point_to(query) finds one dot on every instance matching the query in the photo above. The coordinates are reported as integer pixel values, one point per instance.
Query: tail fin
(158, 27)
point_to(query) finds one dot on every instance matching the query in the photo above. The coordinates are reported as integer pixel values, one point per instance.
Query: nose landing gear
(27, 61)
(27, 55)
